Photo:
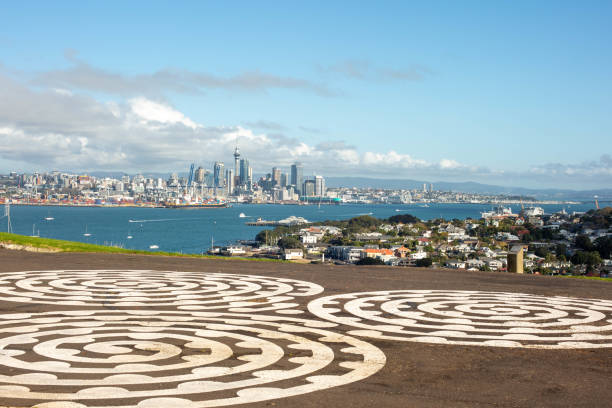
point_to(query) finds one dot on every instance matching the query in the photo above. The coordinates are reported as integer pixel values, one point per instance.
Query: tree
(590, 259)
(403, 219)
(583, 242)
(370, 261)
(561, 249)
(603, 245)
(424, 263)
(289, 243)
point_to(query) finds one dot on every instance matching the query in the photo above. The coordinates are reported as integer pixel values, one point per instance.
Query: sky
(515, 93)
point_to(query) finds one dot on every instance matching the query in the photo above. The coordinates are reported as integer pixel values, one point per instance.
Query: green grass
(72, 246)
(588, 277)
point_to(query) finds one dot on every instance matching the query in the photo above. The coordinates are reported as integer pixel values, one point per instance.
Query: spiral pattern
(187, 359)
(472, 318)
(134, 288)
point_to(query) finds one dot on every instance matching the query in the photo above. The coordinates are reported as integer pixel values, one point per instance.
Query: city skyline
(507, 94)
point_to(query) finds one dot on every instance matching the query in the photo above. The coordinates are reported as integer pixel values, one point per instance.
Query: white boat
(533, 211)
(86, 234)
(129, 237)
(49, 218)
(153, 247)
(242, 215)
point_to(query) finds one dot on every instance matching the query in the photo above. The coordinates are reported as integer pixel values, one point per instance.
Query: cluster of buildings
(530, 241)
(221, 184)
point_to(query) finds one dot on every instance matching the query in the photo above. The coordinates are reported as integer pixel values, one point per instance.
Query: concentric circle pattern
(187, 359)
(472, 318)
(133, 288)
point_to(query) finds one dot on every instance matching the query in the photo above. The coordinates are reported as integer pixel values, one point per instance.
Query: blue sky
(514, 93)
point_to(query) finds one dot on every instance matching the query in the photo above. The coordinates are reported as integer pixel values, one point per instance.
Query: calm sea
(191, 231)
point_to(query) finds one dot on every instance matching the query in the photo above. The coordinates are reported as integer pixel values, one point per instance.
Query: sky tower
(236, 162)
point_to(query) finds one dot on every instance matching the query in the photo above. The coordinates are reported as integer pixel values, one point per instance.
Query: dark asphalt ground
(416, 374)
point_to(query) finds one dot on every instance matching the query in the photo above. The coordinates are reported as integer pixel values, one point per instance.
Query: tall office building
(296, 176)
(308, 188)
(244, 172)
(218, 174)
(276, 176)
(284, 179)
(199, 175)
(319, 186)
(208, 178)
(229, 176)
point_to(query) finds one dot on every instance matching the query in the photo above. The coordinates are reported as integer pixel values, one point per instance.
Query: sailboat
(86, 234)
(49, 217)
(33, 233)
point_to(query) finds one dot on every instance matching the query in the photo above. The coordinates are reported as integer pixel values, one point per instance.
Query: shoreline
(530, 203)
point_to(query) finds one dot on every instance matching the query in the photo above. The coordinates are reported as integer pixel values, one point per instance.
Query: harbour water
(192, 231)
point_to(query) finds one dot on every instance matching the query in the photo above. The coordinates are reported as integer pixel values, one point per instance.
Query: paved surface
(89, 330)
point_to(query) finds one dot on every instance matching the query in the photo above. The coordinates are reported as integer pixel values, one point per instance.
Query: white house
(309, 239)
(418, 255)
(290, 254)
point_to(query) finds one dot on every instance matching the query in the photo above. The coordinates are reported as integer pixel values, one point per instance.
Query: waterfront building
(296, 176)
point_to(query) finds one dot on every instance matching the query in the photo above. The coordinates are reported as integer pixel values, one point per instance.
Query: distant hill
(470, 187)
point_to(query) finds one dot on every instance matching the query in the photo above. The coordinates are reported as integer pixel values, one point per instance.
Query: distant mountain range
(463, 187)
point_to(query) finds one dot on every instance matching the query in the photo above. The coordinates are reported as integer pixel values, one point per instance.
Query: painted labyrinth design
(154, 359)
(181, 290)
(472, 318)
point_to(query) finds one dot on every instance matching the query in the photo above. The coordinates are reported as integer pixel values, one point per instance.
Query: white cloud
(449, 164)
(44, 130)
(154, 112)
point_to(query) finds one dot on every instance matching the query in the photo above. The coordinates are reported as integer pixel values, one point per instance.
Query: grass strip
(73, 246)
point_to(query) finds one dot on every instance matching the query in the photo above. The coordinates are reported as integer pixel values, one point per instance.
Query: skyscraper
(296, 176)
(229, 176)
(218, 174)
(244, 172)
(276, 176)
(308, 188)
(319, 186)
(199, 175)
(284, 179)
